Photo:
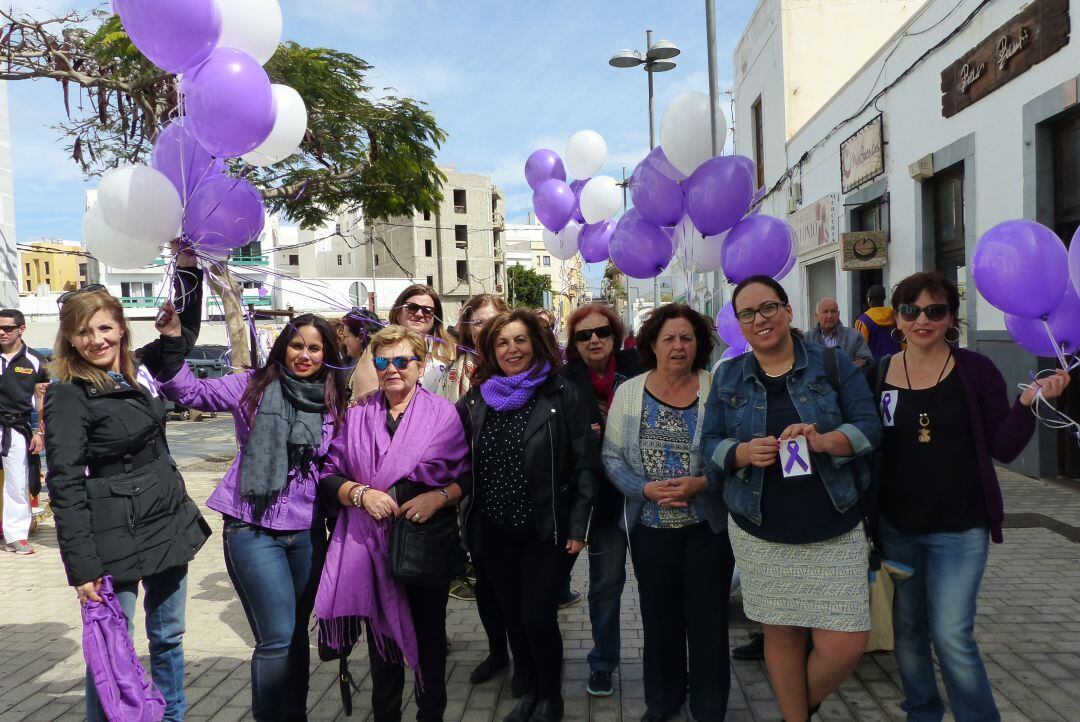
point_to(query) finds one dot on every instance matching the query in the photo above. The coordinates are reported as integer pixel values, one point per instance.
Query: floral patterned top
(667, 435)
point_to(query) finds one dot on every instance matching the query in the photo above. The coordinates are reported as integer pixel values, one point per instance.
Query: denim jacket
(735, 412)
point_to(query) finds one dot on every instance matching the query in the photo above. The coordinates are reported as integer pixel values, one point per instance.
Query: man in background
(830, 333)
(877, 324)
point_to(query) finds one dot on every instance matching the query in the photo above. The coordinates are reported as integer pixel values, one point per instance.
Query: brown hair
(650, 331)
(68, 364)
(618, 330)
(393, 335)
(934, 283)
(442, 345)
(543, 349)
(465, 335)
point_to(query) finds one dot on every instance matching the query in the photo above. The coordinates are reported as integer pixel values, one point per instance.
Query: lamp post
(657, 59)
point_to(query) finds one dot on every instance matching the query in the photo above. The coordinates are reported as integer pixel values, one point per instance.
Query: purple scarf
(429, 447)
(509, 393)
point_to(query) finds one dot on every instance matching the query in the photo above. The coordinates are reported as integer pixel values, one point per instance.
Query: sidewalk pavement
(1028, 627)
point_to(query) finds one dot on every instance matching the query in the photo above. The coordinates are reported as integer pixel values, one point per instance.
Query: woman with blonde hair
(476, 312)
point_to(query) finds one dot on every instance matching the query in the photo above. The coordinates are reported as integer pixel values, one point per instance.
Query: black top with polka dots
(502, 494)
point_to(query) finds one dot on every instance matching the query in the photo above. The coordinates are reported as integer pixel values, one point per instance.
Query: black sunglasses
(585, 334)
(65, 297)
(9, 329)
(767, 310)
(934, 312)
(417, 309)
(400, 362)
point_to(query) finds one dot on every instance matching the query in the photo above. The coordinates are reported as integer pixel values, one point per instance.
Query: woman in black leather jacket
(536, 473)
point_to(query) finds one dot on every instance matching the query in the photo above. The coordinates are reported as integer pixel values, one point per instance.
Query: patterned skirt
(822, 585)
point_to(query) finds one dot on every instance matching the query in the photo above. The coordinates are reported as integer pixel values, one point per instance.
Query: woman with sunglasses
(947, 417)
(597, 367)
(358, 326)
(285, 414)
(400, 455)
(786, 424)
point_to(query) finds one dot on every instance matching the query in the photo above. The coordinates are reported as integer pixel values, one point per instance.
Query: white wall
(9, 257)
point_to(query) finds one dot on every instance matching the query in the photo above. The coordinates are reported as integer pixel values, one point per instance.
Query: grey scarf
(285, 435)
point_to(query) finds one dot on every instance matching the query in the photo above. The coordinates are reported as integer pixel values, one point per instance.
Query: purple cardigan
(294, 509)
(1000, 432)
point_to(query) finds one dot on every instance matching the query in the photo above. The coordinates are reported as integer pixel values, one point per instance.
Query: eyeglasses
(400, 362)
(65, 297)
(416, 309)
(9, 329)
(586, 334)
(767, 310)
(934, 312)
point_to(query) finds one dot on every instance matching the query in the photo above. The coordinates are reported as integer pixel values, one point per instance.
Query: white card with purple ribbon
(794, 457)
(889, 400)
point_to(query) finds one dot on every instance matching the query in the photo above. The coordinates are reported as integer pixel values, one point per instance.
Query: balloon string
(1057, 347)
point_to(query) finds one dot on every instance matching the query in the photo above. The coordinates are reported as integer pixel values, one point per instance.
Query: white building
(525, 247)
(9, 257)
(964, 117)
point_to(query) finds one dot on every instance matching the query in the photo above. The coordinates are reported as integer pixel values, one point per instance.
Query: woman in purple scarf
(400, 453)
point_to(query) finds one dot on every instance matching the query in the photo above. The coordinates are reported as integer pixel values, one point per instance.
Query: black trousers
(684, 579)
(428, 607)
(487, 606)
(528, 577)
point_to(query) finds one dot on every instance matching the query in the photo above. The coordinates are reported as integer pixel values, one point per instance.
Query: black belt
(130, 462)
(18, 422)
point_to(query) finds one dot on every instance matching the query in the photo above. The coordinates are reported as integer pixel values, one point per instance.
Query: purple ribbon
(886, 402)
(794, 458)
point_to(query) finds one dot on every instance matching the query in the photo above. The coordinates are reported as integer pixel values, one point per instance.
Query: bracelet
(355, 498)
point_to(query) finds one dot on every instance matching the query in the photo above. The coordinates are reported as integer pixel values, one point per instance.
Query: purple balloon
(1021, 267)
(787, 266)
(735, 350)
(660, 162)
(174, 35)
(757, 245)
(747, 163)
(594, 239)
(718, 194)
(638, 248)
(228, 102)
(728, 326)
(553, 202)
(1074, 260)
(180, 157)
(1030, 333)
(224, 213)
(576, 187)
(657, 198)
(543, 165)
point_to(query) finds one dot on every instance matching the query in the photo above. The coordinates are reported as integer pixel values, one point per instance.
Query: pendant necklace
(924, 417)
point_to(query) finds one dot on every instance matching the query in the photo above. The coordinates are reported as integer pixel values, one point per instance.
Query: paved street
(1029, 629)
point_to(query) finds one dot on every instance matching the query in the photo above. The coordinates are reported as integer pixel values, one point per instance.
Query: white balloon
(601, 199)
(585, 154)
(564, 244)
(140, 202)
(289, 129)
(112, 247)
(686, 129)
(253, 26)
(697, 253)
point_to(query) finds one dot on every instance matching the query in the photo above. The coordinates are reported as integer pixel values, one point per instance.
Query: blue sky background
(502, 78)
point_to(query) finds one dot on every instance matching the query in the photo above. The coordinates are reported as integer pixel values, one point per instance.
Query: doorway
(868, 217)
(820, 283)
(949, 244)
(1066, 221)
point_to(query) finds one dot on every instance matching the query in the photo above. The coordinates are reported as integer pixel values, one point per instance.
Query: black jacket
(562, 458)
(609, 500)
(129, 524)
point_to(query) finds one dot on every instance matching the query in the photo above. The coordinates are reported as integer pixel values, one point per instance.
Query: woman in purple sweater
(947, 416)
(285, 415)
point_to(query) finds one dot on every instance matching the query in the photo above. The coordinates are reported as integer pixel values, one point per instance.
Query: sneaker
(599, 684)
(752, 650)
(574, 598)
(21, 548)
(462, 590)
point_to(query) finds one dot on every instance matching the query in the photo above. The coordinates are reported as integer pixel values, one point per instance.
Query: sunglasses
(400, 362)
(767, 310)
(417, 310)
(934, 312)
(9, 329)
(65, 297)
(585, 334)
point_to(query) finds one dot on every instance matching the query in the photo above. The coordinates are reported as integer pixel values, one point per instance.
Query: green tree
(527, 287)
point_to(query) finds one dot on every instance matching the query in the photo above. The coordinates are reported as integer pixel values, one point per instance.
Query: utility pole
(714, 88)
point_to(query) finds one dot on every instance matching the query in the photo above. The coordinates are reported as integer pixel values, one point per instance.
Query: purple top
(294, 508)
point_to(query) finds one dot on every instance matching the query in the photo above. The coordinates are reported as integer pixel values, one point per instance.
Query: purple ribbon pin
(794, 458)
(886, 412)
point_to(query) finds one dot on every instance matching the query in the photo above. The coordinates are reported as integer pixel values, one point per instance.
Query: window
(431, 281)
(496, 238)
(252, 285)
(48, 280)
(29, 286)
(463, 271)
(461, 236)
(27, 269)
(339, 259)
(547, 261)
(294, 259)
(136, 289)
(376, 260)
(459, 202)
(427, 248)
(46, 268)
(759, 140)
(82, 271)
(348, 258)
(427, 215)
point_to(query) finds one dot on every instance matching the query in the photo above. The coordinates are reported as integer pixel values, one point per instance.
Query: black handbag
(420, 554)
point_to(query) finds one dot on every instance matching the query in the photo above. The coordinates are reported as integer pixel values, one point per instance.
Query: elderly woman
(796, 525)
(598, 368)
(536, 470)
(399, 458)
(947, 418)
(673, 515)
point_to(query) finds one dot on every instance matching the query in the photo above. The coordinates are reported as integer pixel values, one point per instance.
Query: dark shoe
(547, 710)
(574, 598)
(524, 710)
(463, 590)
(653, 717)
(752, 650)
(599, 684)
(813, 711)
(488, 669)
(516, 687)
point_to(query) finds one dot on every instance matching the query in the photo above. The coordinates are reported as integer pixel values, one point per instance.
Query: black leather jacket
(562, 458)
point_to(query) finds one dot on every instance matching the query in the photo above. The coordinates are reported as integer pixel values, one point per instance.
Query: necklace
(783, 373)
(924, 417)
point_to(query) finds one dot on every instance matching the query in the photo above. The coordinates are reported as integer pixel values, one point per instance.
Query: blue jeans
(607, 576)
(937, 606)
(276, 575)
(166, 596)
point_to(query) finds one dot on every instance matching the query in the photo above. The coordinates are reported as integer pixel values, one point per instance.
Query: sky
(502, 78)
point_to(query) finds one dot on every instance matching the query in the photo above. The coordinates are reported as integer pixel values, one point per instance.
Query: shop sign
(860, 250)
(815, 225)
(1033, 35)
(862, 156)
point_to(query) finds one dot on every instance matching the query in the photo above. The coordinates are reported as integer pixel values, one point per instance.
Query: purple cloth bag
(126, 692)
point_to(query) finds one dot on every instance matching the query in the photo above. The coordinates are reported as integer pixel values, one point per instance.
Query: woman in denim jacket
(785, 441)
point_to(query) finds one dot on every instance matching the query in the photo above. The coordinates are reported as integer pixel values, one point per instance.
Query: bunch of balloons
(228, 109)
(1023, 268)
(728, 328)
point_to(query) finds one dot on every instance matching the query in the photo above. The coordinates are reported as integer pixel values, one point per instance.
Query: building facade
(54, 267)
(9, 257)
(525, 247)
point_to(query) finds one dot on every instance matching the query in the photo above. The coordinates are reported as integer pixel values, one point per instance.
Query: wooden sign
(863, 249)
(1037, 32)
(862, 156)
(815, 225)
